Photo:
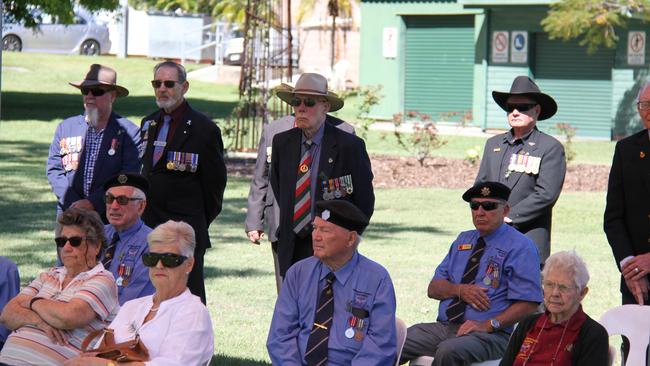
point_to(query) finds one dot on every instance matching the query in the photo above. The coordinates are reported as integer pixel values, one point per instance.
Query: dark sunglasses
(96, 92)
(521, 107)
(487, 205)
(309, 102)
(121, 200)
(169, 260)
(168, 83)
(75, 241)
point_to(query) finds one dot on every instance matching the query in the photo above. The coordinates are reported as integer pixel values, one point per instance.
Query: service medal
(181, 167)
(170, 165)
(349, 333)
(304, 168)
(358, 336)
(119, 281)
(487, 281)
(111, 151)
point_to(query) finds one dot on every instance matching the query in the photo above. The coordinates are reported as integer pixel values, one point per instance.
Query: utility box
(180, 36)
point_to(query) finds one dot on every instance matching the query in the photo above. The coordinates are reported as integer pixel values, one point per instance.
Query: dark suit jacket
(533, 195)
(68, 184)
(262, 208)
(341, 154)
(195, 198)
(627, 217)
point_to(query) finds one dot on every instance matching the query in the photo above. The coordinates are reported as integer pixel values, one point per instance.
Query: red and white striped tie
(302, 205)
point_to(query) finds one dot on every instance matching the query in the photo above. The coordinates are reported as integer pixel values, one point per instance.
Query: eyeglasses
(96, 92)
(121, 200)
(550, 286)
(167, 83)
(521, 107)
(75, 241)
(169, 260)
(309, 102)
(644, 106)
(487, 205)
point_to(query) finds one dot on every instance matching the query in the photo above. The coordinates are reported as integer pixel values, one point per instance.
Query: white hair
(174, 233)
(138, 193)
(570, 263)
(645, 86)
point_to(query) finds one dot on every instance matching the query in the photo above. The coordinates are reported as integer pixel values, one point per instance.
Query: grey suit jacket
(533, 195)
(262, 210)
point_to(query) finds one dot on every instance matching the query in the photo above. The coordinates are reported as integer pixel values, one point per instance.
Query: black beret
(128, 179)
(342, 213)
(487, 190)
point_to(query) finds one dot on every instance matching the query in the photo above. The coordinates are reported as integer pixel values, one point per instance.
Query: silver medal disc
(349, 333)
(111, 151)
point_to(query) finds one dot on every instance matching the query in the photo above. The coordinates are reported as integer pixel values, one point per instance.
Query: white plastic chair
(633, 322)
(427, 361)
(401, 337)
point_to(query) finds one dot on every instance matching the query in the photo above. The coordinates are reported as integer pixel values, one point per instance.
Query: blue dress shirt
(509, 269)
(128, 252)
(360, 283)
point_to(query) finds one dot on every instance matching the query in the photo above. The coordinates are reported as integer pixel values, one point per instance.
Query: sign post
(500, 46)
(519, 45)
(636, 48)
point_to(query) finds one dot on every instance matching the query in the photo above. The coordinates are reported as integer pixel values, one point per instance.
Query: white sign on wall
(500, 46)
(390, 42)
(636, 48)
(519, 47)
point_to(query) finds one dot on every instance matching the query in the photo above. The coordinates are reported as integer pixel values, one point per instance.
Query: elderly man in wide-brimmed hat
(91, 147)
(262, 209)
(531, 163)
(311, 162)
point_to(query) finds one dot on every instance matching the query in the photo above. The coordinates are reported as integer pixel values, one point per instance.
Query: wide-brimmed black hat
(523, 85)
(494, 190)
(342, 213)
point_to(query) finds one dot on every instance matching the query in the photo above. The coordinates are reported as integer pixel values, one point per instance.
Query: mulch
(437, 172)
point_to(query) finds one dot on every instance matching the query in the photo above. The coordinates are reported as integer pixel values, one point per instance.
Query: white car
(84, 36)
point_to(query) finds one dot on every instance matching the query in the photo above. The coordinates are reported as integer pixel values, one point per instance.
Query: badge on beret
(325, 215)
(485, 191)
(122, 178)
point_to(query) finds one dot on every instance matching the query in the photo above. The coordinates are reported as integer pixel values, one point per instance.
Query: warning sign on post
(390, 42)
(636, 48)
(519, 47)
(500, 46)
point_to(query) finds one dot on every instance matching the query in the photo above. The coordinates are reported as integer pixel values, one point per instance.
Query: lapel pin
(531, 143)
(496, 149)
(184, 131)
(189, 122)
(642, 155)
(330, 160)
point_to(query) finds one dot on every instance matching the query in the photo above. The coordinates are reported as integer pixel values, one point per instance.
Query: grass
(410, 233)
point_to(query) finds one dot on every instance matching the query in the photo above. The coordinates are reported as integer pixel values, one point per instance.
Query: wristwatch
(496, 325)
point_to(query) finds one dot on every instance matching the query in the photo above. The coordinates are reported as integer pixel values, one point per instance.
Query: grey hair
(180, 69)
(358, 241)
(174, 233)
(645, 86)
(570, 263)
(138, 193)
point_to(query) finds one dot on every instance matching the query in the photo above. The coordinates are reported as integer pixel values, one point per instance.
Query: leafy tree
(24, 10)
(594, 21)
(234, 11)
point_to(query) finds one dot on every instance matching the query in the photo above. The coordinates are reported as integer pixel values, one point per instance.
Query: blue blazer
(67, 158)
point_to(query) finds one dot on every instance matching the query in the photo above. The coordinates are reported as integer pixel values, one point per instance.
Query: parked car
(234, 48)
(84, 35)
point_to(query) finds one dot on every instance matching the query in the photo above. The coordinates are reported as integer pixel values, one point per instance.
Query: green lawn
(410, 231)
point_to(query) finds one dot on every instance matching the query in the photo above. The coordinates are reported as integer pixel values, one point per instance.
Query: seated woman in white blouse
(172, 323)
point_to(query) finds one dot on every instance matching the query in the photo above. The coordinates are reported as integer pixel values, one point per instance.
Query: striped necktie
(161, 141)
(456, 309)
(302, 205)
(109, 253)
(317, 344)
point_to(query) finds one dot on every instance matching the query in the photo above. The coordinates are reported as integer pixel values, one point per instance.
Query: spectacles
(309, 102)
(643, 105)
(96, 92)
(169, 260)
(521, 107)
(121, 200)
(168, 83)
(487, 205)
(550, 286)
(75, 241)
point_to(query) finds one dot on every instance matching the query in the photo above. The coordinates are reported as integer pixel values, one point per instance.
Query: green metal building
(445, 57)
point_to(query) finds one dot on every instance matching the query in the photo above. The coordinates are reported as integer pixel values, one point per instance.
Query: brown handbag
(133, 350)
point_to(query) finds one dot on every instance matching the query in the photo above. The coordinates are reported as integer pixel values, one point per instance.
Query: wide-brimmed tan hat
(100, 75)
(310, 84)
(523, 85)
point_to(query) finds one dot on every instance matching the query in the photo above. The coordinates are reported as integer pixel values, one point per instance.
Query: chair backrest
(632, 321)
(401, 337)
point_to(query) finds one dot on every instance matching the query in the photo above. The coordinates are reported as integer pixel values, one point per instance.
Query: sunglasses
(75, 241)
(96, 92)
(121, 200)
(643, 105)
(168, 83)
(487, 205)
(169, 260)
(521, 107)
(309, 102)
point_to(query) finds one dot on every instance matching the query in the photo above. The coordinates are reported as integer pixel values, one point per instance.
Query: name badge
(465, 246)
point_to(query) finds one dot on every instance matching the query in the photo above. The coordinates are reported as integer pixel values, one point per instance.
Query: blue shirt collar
(495, 233)
(343, 273)
(130, 230)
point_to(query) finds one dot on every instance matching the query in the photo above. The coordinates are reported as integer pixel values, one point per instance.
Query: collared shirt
(30, 345)
(176, 115)
(179, 335)
(360, 283)
(509, 269)
(92, 144)
(127, 262)
(550, 343)
(315, 160)
(512, 146)
(9, 288)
